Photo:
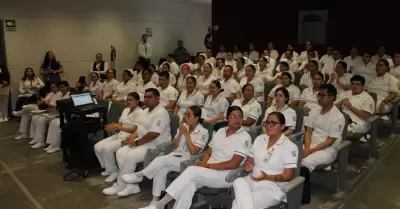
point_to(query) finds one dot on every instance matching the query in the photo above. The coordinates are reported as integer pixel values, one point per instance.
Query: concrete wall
(76, 30)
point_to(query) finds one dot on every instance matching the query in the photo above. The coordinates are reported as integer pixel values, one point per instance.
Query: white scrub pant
(54, 133)
(184, 187)
(388, 106)
(26, 117)
(250, 194)
(38, 128)
(321, 157)
(129, 157)
(105, 151)
(159, 169)
(359, 128)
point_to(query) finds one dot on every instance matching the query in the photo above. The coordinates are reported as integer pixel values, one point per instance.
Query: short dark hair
(166, 64)
(197, 112)
(164, 74)
(330, 88)
(222, 59)
(64, 83)
(241, 59)
(358, 78)
(154, 91)
(288, 75)
(344, 64)
(148, 70)
(252, 67)
(246, 85)
(285, 64)
(233, 108)
(285, 92)
(281, 119)
(229, 66)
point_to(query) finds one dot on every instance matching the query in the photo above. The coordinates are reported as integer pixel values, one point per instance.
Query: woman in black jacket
(4, 93)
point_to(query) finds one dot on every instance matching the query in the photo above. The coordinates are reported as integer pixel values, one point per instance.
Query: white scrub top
(368, 71)
(240, 73)
(156, 120)
(266, 75)
(330, 124)
(353, 63)
(381, 86)
(395, 71)
(168, 94)
(51, 98)
(199, 138)
(123, 89)
(224, 148)
(212, 61)
(252, 109)
(109, 86)
(345, 79)
(258, 85)
(306, 79)
(330, 66)
(212, 108)
(128, 120)
(273, 161)
(294, 92)
(289, 113)
(185, 101)
(231, 86)
(95, 87)
(376, 58)
(218, 73)
(203, 84)
(254, 55)
(181, 85)
(141, 88)
(173, 67)
(310, 99)
(172, 79)
(155, 79)
(231, 63)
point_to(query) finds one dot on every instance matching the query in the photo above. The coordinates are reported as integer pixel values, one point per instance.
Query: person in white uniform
(26, 112)
(272, 52)
(359, 105)
(340, 79)
(240, 70)
(353, 61)
(265, 71)
(188, 98)
(380, 55)
(367, 69)
(124, 88)
(395, 69)
(128, 122)
(306, 78)
(222, 52)
(219, 70)
(293, 65)
(203, 82)
(257, 83)
(286, 82)
(146, 83)
(99, 66)
(251, 108)
(185, 71)
(191, 138)
(308, 98)
(253, 54)
(271, 161)
(231, 60)
(95, 85)
(282, 98)
(172, 79)
(173, 67)
(310, 56)
(325, 58)
(295, 54)
(210, 59)
(385, 86)
(215, 104)
(330, 64)
(109, 85)
(236, 52)
(229, 84)
(226, 151)
(303, 55)
(39, 122)
(168, 94)
(151, 132)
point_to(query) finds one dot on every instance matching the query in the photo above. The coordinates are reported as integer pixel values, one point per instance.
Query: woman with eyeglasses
(95, 85)
(191, 138)
(188, 98)
(106, 148)
(251, 108)
(271, 163)
(215, 105)
(225, 152)
(109, 85)
(123, 88)
(281, 105)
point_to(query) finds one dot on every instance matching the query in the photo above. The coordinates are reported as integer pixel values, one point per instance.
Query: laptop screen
(82, 99)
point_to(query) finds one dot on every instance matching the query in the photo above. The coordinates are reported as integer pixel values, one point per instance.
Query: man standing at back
(144, 50)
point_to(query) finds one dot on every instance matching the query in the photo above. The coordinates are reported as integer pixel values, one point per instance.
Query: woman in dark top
(81, 85)
(100, 66)
(4, 93)
(50, 69)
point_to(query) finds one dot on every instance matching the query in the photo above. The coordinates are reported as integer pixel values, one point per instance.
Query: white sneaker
(17, 113)
(38, 145)
(53, 150)
(1, 119)
(47, 148)
(112, 177)
(385, 117)
(132, 178)
(105, 173)
(5, 119)
(129, 189)
(32, 142)
(113, 190)
(149, 207)
(22, 136)
(153, 202)
(363, 139)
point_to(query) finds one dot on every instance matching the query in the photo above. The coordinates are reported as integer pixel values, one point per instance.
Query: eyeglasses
(235, 117)
(323, 95)
(270, 123)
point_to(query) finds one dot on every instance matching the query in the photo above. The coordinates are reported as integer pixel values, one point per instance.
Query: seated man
(168, 94)
(324, 128)
(358, 104)
(229, 84)
(153, 130)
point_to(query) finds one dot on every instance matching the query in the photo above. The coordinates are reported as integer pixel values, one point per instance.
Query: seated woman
(39, 122)
(257, 83)
(168, 94)
(188, 98)
(5, 93)
(95, 86)
(282, 97)
(251, 108)
(286, 82)
(340, 79)
(128, 122)
(225, 152)
(198, 67)
(151, 132)
(308, 98)
(26, 115)
(283, 67)
(265, 71)
(203, 82)
(81, 85)
(123, 88)
(146, 83)
(29, 87)
(191, 138)
(219, 70)
(154, 74)
(109, 85)
(185, 71)
(99, 66)
(172, 79)
(272, 161)
(306, 78)
(215, 105)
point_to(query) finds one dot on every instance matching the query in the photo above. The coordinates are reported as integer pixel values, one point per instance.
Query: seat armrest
(123, 143)
(165, 144)
(165, 148)
(295, 136)
(292, 184)
(235, 173)
(197, 157)
(342, 145)
(373, 119)
(185, 164)
(151, 154)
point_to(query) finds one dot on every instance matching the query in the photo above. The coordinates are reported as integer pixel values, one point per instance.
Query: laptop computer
(83, 101)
